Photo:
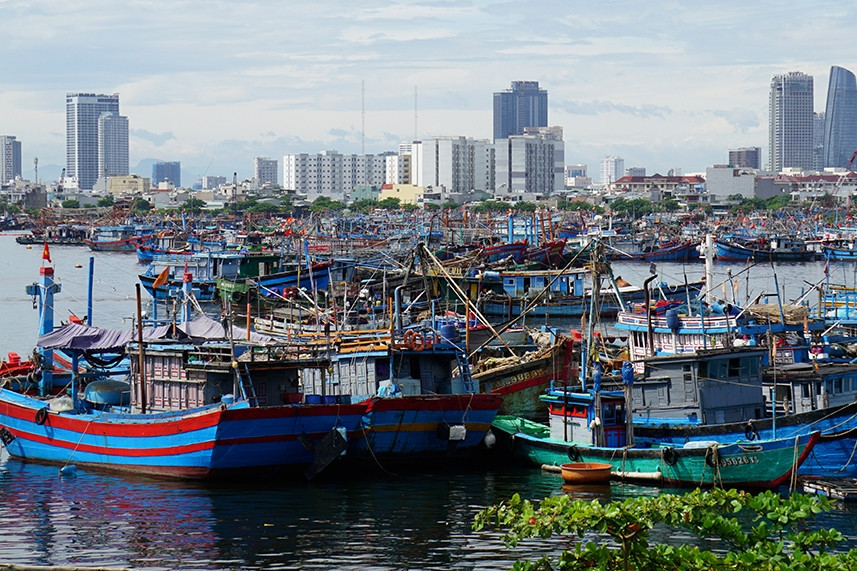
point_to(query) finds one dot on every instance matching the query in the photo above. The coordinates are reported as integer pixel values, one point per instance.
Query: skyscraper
(82, 113)
(524, 105)
(10, 158)
(790, 124)
(170, 171)
(840, 118)
(112, 144)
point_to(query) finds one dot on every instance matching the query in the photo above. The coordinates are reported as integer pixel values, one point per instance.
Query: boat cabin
(707, 387)
(590, 417)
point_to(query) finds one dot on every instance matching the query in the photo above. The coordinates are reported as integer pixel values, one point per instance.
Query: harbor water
(364, 521)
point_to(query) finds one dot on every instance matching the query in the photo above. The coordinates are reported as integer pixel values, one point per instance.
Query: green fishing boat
(760, 464)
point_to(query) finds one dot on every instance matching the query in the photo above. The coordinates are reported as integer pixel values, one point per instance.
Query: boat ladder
(464, 371)
(245, 382)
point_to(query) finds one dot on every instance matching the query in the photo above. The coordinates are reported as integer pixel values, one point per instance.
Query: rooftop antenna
(362, 117)
(415, 113)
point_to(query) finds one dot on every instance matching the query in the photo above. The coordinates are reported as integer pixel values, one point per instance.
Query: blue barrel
(313, 399)
(449, 332)
(672, 319)
(329, 399)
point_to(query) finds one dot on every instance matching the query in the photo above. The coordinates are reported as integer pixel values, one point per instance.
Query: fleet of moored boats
(297, 352)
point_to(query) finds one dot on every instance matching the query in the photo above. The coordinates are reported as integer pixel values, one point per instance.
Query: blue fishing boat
(203, 269)
(123, 238)
(775, 249)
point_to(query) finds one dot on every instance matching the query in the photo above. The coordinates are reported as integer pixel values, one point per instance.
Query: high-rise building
(332, 174)
(612, 169)
(266, 170)
(82, 113)
(458, 164)
(531, 163)
(524, 105)
(167, 171)
(840, 123)
(790, 126)
(10, 158)
(112, 145)
(746, 157)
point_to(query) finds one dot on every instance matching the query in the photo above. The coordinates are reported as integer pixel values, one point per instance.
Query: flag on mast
(46, 253)
(162, 278)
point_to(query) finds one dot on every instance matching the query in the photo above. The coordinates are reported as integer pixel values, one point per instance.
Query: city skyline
(661, 85)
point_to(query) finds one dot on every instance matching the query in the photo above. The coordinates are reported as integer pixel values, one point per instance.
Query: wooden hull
(576, 306)
(832, 456)
(736, 252)
(194, 444)
(839, 254)
(219, 440)
(521, 384)
(762, 464)
(424, 427)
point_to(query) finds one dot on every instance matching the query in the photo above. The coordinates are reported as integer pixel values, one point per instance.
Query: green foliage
(264, 207)
(105, 201)
(140, 205)
(193, 205)
(579, 205)
(450, 205)
(71, 203)
(668, 205)
(634, 208)
(389, 203)
(759, 532)
(324, 203)
(777, 202)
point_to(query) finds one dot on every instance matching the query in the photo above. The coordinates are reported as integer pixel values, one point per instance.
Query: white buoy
(69, 471)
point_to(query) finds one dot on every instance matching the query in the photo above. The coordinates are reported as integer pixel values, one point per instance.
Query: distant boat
(777, 249)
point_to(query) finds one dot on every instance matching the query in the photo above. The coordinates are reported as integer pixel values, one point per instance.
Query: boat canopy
(78, 337)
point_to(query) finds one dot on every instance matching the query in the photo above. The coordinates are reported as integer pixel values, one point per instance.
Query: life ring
(574, 453)
(409, 338)
(670, 456)
(42, 415)
(712, 457)
(418, 343)
(750, 432)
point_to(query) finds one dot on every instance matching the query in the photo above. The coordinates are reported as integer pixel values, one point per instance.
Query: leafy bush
(759, 532)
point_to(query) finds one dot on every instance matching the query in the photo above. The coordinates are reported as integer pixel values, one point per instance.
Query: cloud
(741, 119)
(604, 107)
(158, 139)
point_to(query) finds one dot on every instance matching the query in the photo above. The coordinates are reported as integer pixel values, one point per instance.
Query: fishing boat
(204, 268)
(774, 249)
(122, 238)
(761, 464)
(422, 403)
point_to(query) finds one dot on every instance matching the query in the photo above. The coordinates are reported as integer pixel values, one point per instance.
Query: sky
(661, 84)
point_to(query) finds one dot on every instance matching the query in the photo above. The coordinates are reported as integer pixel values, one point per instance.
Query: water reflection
(363, 522)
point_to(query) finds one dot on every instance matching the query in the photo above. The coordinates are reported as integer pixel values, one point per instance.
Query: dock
(843, 489)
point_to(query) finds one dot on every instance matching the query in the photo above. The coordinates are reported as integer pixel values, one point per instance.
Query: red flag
(46, 253)
(162, 278)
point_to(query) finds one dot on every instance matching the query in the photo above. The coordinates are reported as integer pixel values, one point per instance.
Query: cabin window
(702, 370)
(804, 390)
(837, 385)
(829, 387)
(734, 367)
(608, 414)
(578, 411)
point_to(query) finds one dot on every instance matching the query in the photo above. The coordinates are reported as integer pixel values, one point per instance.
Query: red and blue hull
(424, 428)
(195, 444)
